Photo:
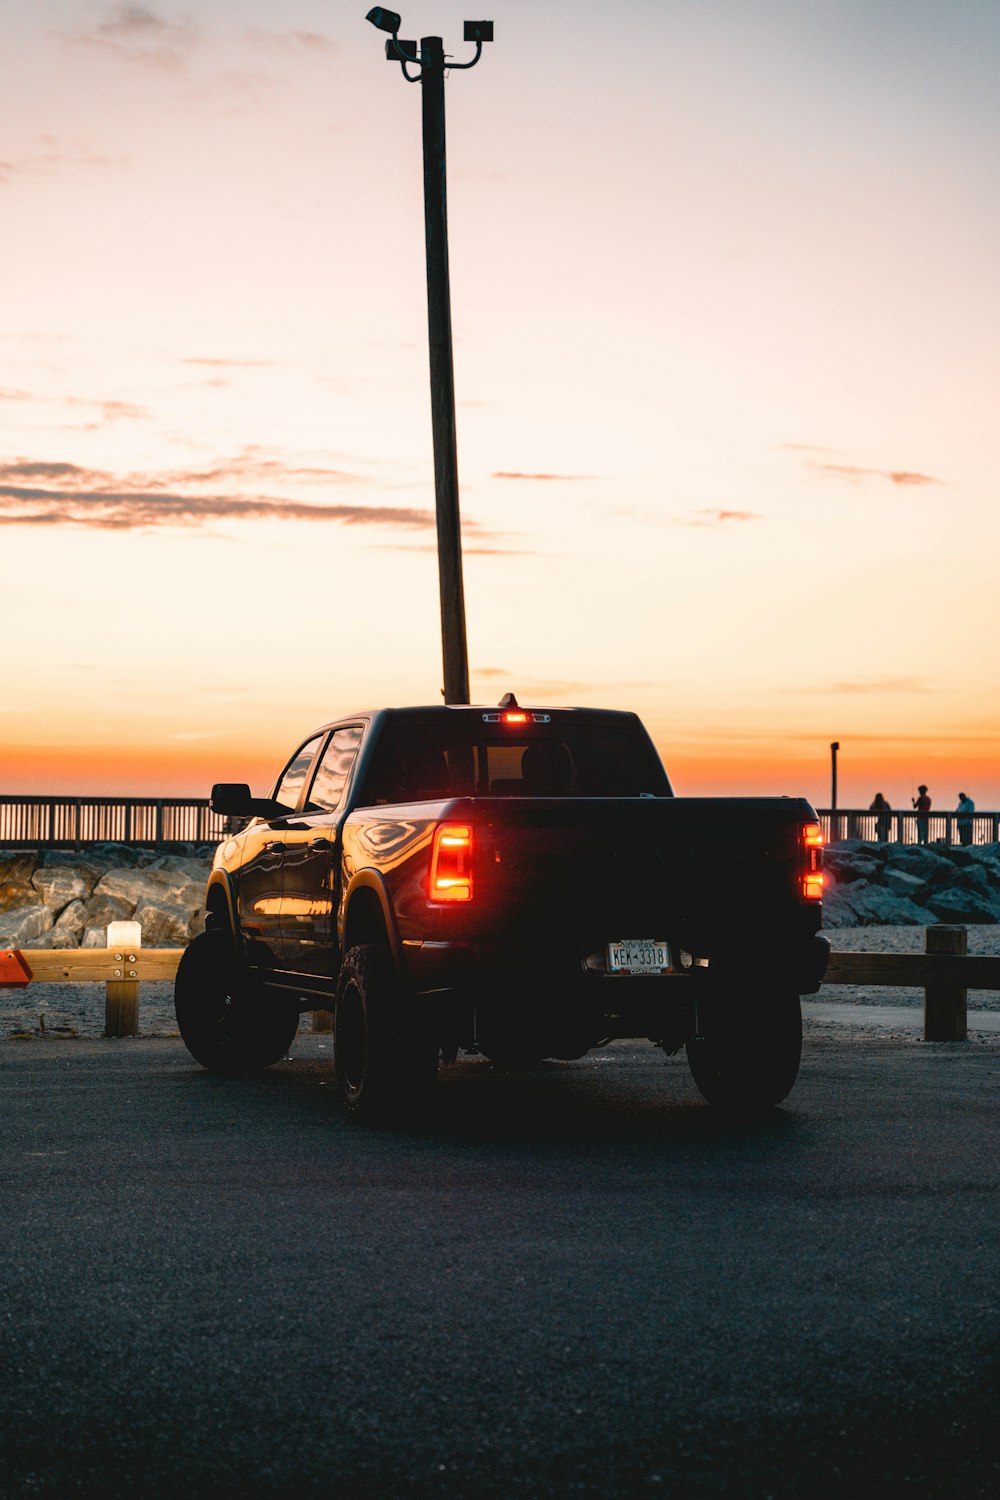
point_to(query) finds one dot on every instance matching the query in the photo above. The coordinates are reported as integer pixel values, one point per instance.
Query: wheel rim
(211, 1022)
(351, 1039)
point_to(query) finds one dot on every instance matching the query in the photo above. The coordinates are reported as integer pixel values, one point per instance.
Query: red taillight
(451, 863)
(812, 879)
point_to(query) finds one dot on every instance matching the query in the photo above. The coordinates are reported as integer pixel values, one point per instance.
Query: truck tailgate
(641, 867)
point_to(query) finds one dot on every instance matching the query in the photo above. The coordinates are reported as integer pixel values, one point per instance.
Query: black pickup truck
(517, 882)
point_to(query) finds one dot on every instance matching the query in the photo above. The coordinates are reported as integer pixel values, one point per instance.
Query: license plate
(638, 956)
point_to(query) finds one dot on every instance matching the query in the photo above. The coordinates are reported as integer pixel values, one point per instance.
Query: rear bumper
(433, 965)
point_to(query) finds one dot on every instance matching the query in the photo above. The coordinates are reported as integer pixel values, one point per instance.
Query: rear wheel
(228, 1022)
(387, 1055)
(748, 1058)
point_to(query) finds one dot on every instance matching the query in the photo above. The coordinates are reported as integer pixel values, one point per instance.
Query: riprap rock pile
(910, 885)
(64, 899)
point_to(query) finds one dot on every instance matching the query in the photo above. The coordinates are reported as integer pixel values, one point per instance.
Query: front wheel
(227, 1021)
(748, 1058)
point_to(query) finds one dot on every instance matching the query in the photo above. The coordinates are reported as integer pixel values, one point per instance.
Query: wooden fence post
(121, 1001)
(945, 1018)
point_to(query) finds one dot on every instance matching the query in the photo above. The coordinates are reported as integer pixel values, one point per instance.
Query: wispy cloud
(217, 363)
(481, 548)
(108, 411)
(103, 409)
(140, 37)
(854, 474)
(537, 690)
(880, 685)
(253, 466)
(708, 515)
(53, 155)
(54, 493)
(547, 478)
(715, 515)
(294, 42)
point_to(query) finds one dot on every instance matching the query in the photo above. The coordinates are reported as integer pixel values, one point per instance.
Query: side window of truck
(334, 770)
(294, 774)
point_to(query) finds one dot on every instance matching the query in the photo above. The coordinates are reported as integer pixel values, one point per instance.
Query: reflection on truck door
(309, 896)
(260, 885)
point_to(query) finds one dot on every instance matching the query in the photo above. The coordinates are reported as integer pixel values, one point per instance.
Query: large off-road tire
(229, 1023)
(748, 1058)
(387, 1055)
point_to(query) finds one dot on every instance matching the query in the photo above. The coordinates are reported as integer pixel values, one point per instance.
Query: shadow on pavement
(594, 1102)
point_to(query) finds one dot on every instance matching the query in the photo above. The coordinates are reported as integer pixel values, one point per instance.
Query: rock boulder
(902, 883)
(70, 925)
(57, 886)
(152, 884)
(865, 905)
(16, 870)
(959, 904)
(849, 865)
(103, 909)
(164, 925)
(21, 924)
(915, 860)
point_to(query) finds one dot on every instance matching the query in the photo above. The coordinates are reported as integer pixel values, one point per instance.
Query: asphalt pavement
(571, 1281)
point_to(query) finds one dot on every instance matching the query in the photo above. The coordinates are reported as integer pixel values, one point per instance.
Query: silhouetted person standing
(884, 819)
(923, 805)
(966, 807)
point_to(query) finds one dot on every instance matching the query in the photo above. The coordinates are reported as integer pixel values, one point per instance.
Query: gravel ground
(69, 1010)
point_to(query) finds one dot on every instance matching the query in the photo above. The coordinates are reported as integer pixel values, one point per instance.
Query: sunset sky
(726, 312)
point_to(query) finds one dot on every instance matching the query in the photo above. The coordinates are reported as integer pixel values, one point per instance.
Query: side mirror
(232, 799)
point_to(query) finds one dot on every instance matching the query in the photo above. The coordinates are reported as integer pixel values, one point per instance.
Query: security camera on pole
(429, 61)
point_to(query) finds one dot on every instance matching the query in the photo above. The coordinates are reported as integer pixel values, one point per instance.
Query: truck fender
(220, 902)
(371, 880)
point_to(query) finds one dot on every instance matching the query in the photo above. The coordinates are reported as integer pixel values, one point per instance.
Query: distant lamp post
(429, 60)
(835, 746)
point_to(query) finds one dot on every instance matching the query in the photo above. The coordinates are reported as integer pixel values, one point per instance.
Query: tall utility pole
(833, 775)
(430, 61)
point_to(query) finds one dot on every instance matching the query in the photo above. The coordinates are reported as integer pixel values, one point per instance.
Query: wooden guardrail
(121, 967)
(944, 972)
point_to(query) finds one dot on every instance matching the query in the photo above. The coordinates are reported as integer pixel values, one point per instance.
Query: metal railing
(37, 822)
(905, 826)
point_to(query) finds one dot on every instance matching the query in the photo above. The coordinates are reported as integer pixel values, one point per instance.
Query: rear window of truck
(418, 761)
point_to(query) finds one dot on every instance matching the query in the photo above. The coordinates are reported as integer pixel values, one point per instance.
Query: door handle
(320, 843)
(271, 848)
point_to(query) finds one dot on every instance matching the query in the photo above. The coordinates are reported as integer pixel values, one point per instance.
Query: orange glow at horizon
(189, 771)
